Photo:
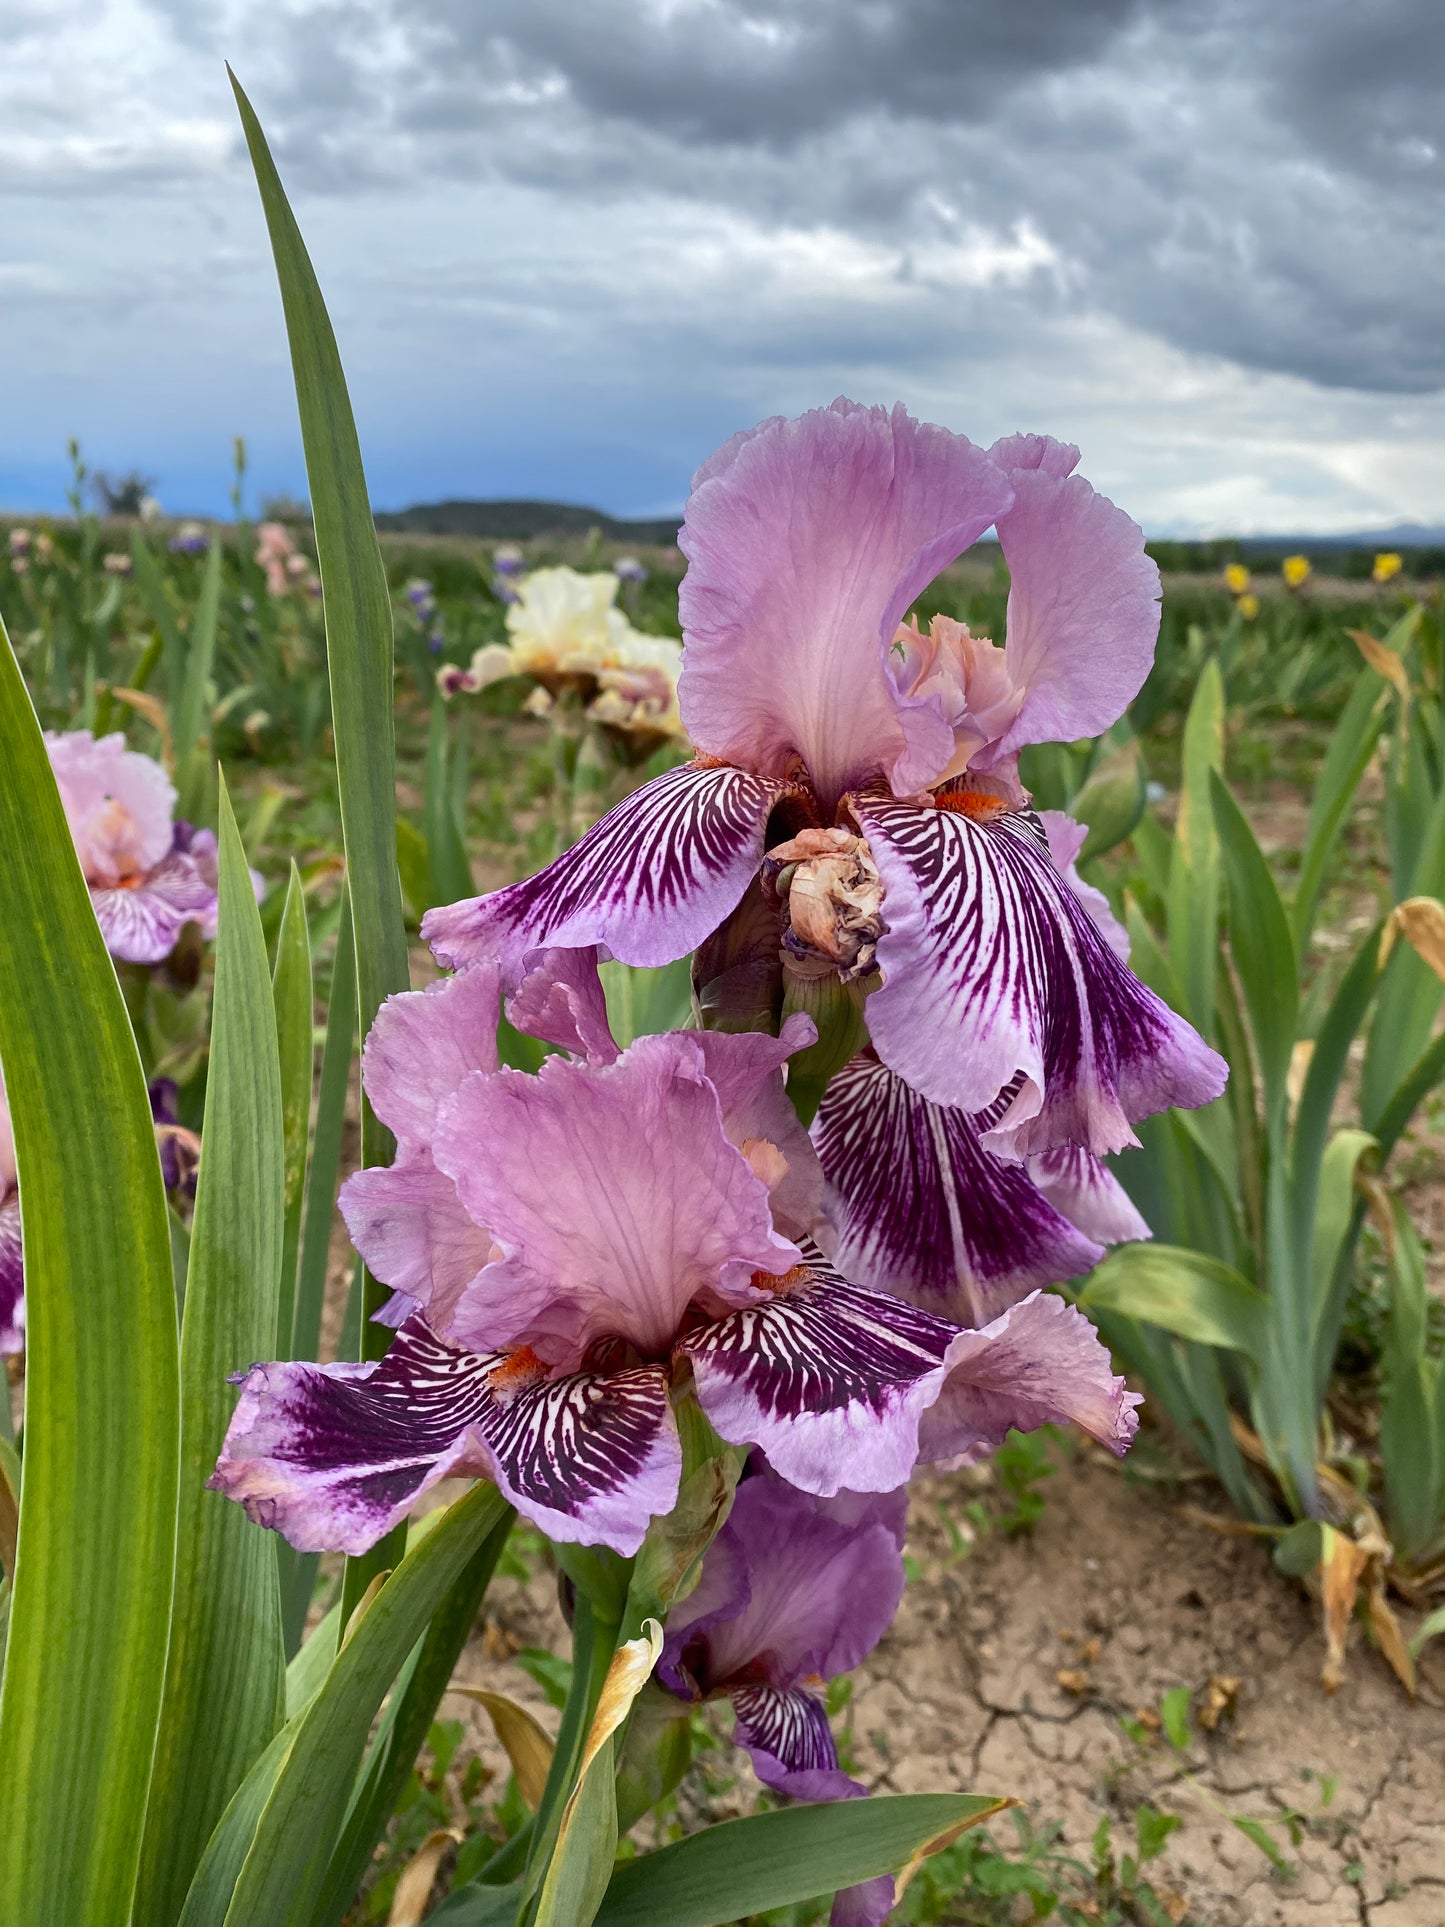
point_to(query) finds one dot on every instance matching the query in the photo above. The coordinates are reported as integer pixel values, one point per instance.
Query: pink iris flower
(856, 792)
(569, 1249)
(12, 1273)
(148, 875)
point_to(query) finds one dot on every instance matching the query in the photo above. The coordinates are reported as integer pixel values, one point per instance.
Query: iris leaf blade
(282, 1877)
(225, 1689)
(774, 1859)
(90, 1617)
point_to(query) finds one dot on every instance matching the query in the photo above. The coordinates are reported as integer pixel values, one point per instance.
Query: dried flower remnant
(819, 710)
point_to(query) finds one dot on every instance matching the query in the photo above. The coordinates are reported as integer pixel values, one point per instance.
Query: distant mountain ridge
(523, 521)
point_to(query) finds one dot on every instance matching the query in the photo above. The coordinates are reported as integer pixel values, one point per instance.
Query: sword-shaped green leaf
(90, 1616)
(225, 1674)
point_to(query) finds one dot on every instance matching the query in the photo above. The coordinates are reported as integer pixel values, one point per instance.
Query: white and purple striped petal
(806, 542)
(1083, 607)
(1088, 1194)
(12, 1280)
(829, 1378)
(334, 1456)
(1041, 1363)
(615, 1199)
(786, 1734)
(1066, 837)
(141, 918)
(994, 971)
(659, 873)
(917, 1207)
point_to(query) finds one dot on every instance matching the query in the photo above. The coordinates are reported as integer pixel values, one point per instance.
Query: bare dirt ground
(1129, 1598)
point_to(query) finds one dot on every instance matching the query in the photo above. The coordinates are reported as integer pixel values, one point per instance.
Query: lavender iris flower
(795, 1590)
(190, 539)
(148, 875)
(866, 773)
(561, 1245)
(12, 1273)
(627, 568)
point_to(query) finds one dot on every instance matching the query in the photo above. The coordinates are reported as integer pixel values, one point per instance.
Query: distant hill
(522, 521)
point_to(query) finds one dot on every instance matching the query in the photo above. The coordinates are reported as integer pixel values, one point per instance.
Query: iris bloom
(1236, 578)
(794, 1591)
(179, 1151)
(1296, 571)
(565, 1248)
(148, 875)
(12, 1274)
(1387, 566)
(873, 764)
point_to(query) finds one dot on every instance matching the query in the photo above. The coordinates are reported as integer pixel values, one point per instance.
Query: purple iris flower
(148, 876)
(12, 1272)
(627, 568)
(795, 1590)
(190, 539)
(875, 767)
(563, 1247)
(180, 1149)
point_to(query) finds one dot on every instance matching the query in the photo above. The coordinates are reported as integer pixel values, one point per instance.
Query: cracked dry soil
(1130, 1597)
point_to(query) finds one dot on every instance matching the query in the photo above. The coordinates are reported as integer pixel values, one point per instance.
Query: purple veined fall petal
(917, 1207)
(1066, 838)
(806, 542)
(786, 1734)
(12, 1279)
(1083, 607)
(649, 882)
(829, 1378)
(993, 971)
(615, 1199)
(561, 1001)
(334, 1456)
(866, 1905)
(142, 920)
(1041, 1363)
(1088, 1194)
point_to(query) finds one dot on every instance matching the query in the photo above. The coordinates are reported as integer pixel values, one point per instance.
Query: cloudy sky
(569, 245)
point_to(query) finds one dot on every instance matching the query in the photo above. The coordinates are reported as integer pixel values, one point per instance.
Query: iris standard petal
(333, 1456)
(414, 1232)
(117, 802)
(561, 1001)
(614, 1195)
(806, 542)
(829, 1378)
(992, 970)
(424, 1042)
(745, 1068)
(917, 1207)
(1083, 607)
(1041, 1363)
(12, 1279)
(1083, 1188)
(659, 873)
